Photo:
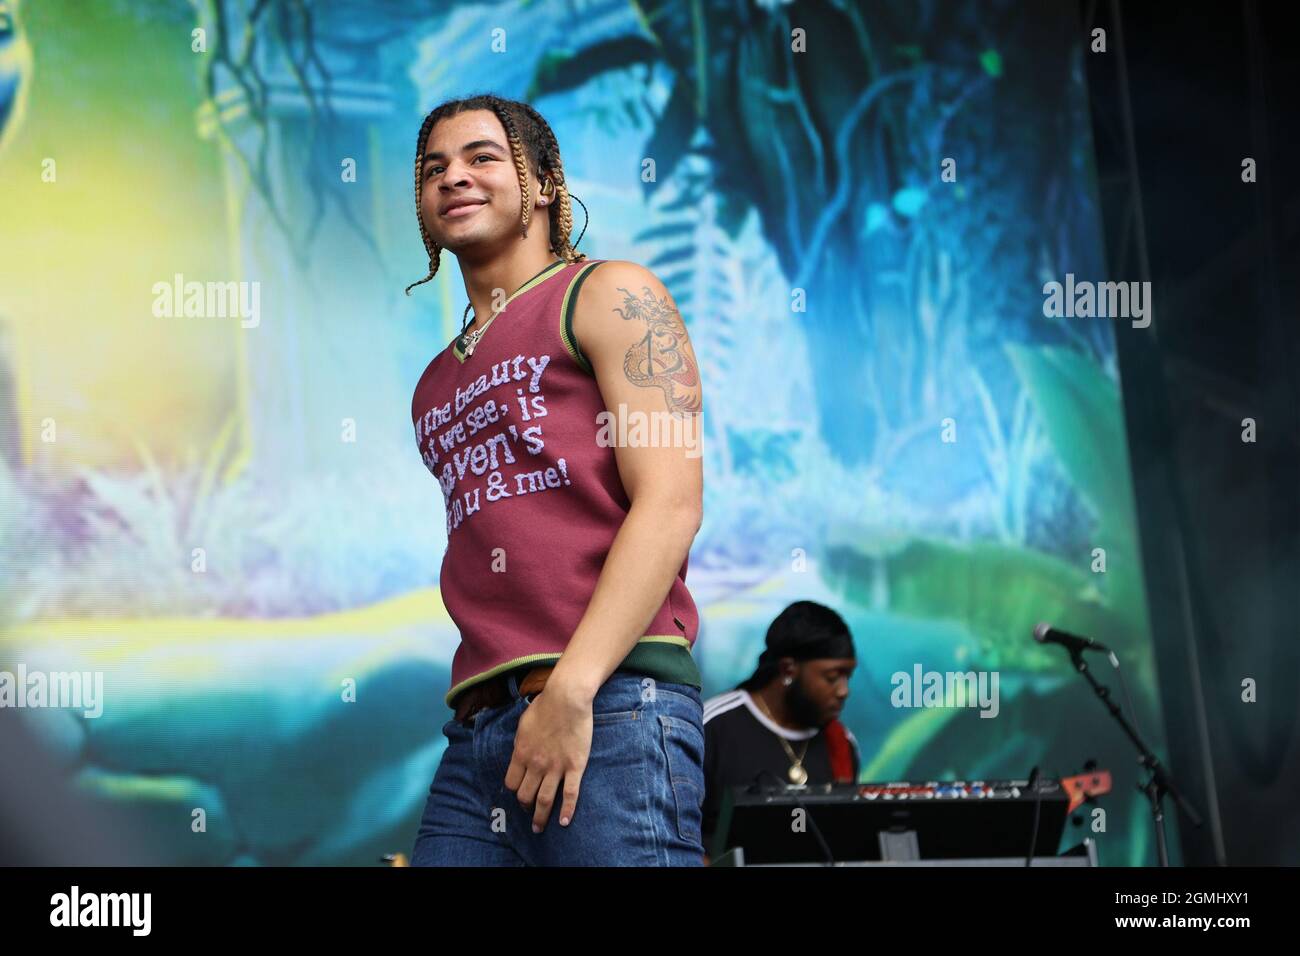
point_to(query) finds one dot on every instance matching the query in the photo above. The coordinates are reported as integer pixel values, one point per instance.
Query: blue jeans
(640, 798)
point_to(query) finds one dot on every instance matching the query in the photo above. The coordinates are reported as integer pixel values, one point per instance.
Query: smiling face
(470, 192)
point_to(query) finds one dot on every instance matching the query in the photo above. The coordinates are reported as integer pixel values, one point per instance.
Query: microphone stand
(1160, 782)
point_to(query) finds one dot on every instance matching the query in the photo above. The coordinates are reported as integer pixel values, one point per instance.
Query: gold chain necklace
(469, 341)
(797, 774)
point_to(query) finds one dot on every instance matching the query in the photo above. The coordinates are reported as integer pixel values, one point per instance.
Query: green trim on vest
(567, 308)
(665, 657)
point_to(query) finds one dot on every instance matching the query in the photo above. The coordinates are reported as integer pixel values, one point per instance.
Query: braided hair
(531, 141)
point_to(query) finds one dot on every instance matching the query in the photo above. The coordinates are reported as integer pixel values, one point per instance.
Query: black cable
(821, 841)
(586, 218)
(1038, 809)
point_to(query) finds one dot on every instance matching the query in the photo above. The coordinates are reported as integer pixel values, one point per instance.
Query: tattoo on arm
(661, 359)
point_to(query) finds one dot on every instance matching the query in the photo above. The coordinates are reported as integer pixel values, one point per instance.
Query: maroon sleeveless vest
(533, 502)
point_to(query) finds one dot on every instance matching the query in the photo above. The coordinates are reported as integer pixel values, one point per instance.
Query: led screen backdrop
(215, 505)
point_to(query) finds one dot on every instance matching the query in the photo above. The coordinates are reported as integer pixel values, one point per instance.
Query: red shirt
(533, 501)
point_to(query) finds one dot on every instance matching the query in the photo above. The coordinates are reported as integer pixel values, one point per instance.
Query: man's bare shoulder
(629, 328)
(615, 272)
(618, 289)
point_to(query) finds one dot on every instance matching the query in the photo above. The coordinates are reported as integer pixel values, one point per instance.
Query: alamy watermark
(79, 690)
(922, 688)
(656, 429)
(1104, 300)
(130, 910)
(208, 300)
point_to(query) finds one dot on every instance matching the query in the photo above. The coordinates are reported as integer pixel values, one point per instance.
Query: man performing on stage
(578, 736)
(781, 725)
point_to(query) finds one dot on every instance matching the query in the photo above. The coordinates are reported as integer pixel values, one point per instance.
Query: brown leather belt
(496, 691)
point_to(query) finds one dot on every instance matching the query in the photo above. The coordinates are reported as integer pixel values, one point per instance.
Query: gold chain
(797, 761)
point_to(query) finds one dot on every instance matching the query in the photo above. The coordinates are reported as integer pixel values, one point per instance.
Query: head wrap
(804, 631)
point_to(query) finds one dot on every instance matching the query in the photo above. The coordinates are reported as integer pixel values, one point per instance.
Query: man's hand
(552, 745)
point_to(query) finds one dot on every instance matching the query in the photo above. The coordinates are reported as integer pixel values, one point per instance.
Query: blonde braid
(562, 216)
(562, 226)
(521, 164)
(432, 248)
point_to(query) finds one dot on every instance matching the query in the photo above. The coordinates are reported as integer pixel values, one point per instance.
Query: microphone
(1044, 633)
